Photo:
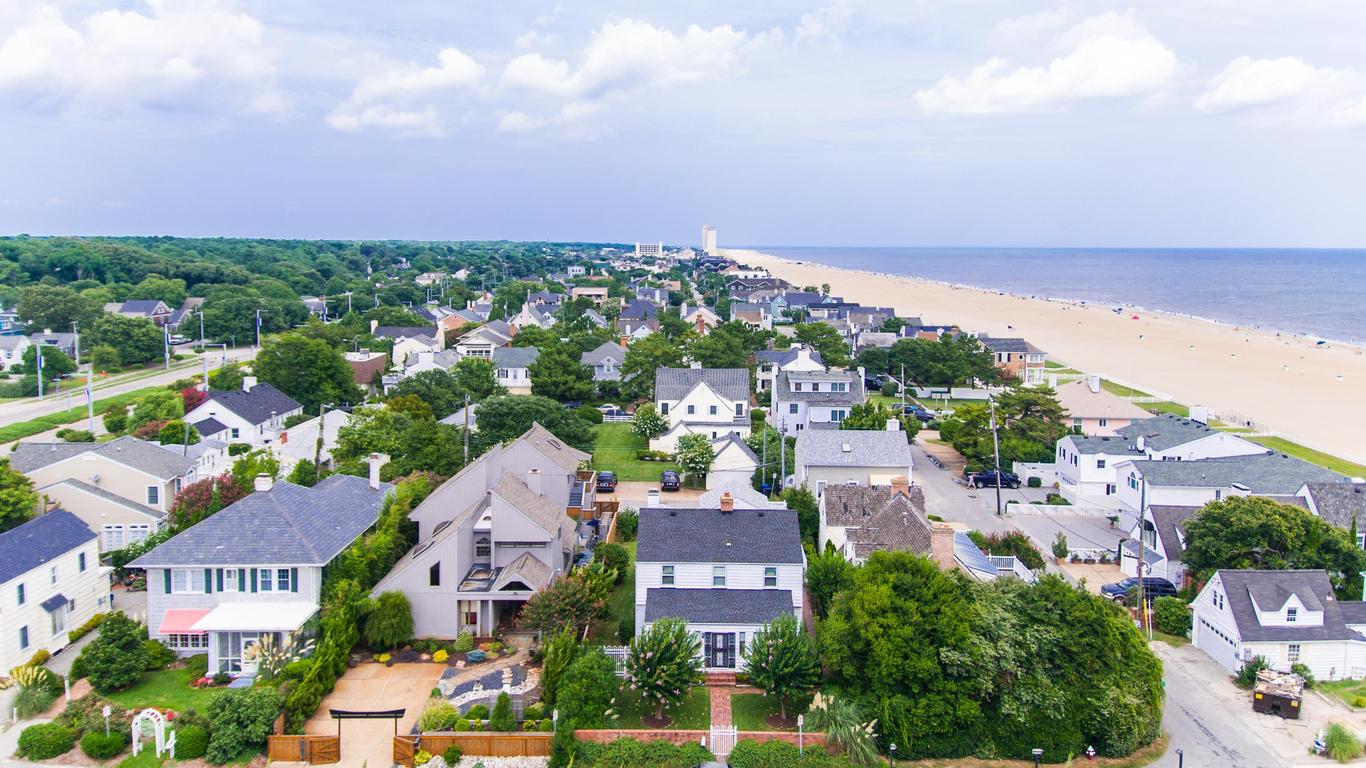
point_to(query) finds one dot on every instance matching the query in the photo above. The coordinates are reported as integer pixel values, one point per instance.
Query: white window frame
(666, 575)
(265, 580)
(24, 639)
(1292, 615)
(112, 537)
(52, 573)
(230, 580)
(282, 583)
(1292, 653)
(187, 578)
(718, 575)
(153, 495)
(770, 574)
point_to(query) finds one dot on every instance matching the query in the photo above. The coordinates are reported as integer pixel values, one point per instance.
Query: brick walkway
(720, 704)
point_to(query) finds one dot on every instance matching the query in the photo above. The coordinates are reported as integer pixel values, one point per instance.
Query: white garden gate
(722, 741)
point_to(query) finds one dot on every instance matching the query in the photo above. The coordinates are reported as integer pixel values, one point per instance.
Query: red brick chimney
(727, 503)
(941, 545)
(902, 485)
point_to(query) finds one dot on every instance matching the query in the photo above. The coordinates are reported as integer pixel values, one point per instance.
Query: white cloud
(1287, 88)
(1109, 56)
(532, 39)
(175, 52)
(630, 56)
(825, 23)
(398, 98)
(518, 122)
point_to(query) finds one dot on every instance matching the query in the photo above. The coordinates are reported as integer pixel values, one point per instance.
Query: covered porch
(234, 633)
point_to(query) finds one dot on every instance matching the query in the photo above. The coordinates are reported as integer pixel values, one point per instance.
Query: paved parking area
(375, 687)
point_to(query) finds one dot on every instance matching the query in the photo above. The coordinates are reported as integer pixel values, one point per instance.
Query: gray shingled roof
(783, 357)
(1016, 345)
(782, 389)
(675, 383)
(209, 426)
(866, 448)
(609, 349)
(1262, 473)
(717, 606)
(1166, 431)
(515, 357)
(1110, 445)
(1271, 589)
(1168, 519)
(130, 451)
(40, 540)
(257, 405)
(879, 519)
(537, 508)
(287, 525)
(1338, 503)
(140, 306)
(734, 437)
(404, 331)
(639, 310)
(668, 535)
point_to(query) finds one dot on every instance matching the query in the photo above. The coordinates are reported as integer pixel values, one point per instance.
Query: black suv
(607, 482)
(987, 479)
(1153, 588)
(668, 481)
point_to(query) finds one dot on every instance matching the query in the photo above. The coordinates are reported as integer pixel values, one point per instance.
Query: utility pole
(467, 428)
(348, 302)
(201, 331)
(318, 444)
(258, 326)
(38, 363)
(902, 382)
(166, 345)
(782, 455)
(996, 450)
(90, 396)
(76, 332)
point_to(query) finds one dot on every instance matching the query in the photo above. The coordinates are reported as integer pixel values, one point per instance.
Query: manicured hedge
(97, 746)
(45, 741)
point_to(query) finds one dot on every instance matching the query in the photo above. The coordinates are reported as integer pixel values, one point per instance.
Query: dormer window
(482, 548)
(1292, 615)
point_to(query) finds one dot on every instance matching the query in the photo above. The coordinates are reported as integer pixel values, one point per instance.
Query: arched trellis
(153, 723)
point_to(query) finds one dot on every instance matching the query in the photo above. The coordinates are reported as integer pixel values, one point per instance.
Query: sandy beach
(1285, 384)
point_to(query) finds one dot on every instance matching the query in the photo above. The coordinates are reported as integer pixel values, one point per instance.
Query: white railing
(616, 419)
(618, 655)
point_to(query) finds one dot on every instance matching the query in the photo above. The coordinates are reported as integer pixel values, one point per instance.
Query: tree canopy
(953, 360)
(826, 340)
(1029, 419)
(504, 418)
(308, 370)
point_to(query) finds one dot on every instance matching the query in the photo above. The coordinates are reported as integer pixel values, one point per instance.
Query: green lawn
(750, 711)
(615, 449)
(165, 688)
(147, 758)
(1345, 690)
(1121, 390)
(691, 714)
(1175, 641)
(621, 605)
(1342, 466)
(1166, 406)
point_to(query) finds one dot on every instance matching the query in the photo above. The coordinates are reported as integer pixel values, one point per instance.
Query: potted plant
(1060, 547)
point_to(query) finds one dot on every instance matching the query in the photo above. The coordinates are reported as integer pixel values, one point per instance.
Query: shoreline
(1283, 382)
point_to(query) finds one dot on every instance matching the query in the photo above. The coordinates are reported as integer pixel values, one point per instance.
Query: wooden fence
(315, 750)
(481, 744)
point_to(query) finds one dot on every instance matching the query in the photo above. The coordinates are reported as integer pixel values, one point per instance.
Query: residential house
(1339, 503)
(431, 361)
(851, 457)
(12, 349)
(797, 358)
(429, 278)
(700, 318)
(653, 294)
(481, 341)
(879, 339)
(255, 414)
(301, 441)
(737, 272)
(122, 489)
(1086, 464)
(454, 320)
(66, 342)
(805, 400)
(861, 519)
(1094, 411)
(465, 417)
(727, 572)
(493, 535)
(512, 368)
(1285, 617)
(708, 401)
(317, 307)
(1016, 358)
(733, 462)
(576, 270)
(754, 319)
(1144, 483)
(605, 361)
(187, 309)
(1159, 538)
(407, 340)
(595, 318)
(51, 582)
(528, 317)
(254, 569)
(210, 456)
(595, 293)
(367, 367)
(637, 320)
(742, 495)
(148, 309)
(639, 310)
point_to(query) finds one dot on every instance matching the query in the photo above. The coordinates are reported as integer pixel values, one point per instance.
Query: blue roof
(40, 540)
(287, 525)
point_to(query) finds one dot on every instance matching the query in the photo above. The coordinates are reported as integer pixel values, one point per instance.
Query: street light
(891, 756)
(1038, 753)
(1180, 758)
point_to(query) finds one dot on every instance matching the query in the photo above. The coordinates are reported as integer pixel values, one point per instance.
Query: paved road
(31, 408)
(946, 497)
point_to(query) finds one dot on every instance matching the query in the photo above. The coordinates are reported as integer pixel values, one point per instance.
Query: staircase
(719, 677)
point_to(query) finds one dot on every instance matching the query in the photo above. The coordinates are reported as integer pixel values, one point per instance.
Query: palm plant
(844, 728)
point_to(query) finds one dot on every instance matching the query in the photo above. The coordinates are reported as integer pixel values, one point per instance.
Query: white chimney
(893, 425)
(248, 382)
(263, 482)
(1200, 414)
(373, 325)
(1092, 381)
(695, 364)
(652, 497)
(533, 480)
(376, 461)
(683, 310)
(1141, 442)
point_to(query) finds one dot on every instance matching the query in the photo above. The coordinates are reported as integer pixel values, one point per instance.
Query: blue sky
(977, 122)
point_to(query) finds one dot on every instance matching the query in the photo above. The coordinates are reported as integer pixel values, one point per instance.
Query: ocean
(1319, 293)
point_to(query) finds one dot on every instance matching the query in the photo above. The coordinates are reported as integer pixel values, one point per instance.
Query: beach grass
(1341, 466)
(614, 449)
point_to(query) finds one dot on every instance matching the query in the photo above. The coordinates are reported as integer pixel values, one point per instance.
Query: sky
(1236, 123)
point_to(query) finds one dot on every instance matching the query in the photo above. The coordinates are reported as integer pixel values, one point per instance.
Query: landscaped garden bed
(460, 652)
(760, 712)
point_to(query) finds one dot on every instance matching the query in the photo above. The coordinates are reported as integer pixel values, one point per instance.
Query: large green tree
(1259, 533)
(412, 438)
(307, 370)
(826, 340)
(56, 363)
(440, 390)
(1029, 421)
(557, 374)
(644, 357)
(504, 418)
(55, 308)
(664, 662)
(953, 360)
(137, 339)
(476, 376)
(782, 661)
(18, 500)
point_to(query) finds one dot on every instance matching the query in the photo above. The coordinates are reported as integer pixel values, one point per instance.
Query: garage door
(1219, 646)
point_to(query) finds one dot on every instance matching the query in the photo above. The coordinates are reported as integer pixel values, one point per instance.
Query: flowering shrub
(201, 499)
(441, 656)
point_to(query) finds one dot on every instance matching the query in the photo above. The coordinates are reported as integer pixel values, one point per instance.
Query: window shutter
(293, 579)
(208, 580)
(167, 574)
(241, 579)
(220, 579)
(253, 579)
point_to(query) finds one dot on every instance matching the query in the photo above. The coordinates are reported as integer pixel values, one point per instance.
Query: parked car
(1153, 588)
(178, 339)
(669, 481)
(919, 412)
(607, 482)
(987, 479)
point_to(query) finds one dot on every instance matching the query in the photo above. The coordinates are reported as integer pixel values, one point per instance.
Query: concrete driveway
(631, 494)
(375, 687)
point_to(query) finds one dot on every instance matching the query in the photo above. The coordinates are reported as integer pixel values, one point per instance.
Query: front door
(719, 649)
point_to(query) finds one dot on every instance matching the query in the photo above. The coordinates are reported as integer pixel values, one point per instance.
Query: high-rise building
(649, 249)
(709, 239)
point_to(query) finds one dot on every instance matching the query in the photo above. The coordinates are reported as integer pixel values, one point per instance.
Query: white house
(1144, 483)
(1162, 531)
(255, 568)
(709, 401)
(481, 341)
(493, 535)
(255, 414)
(727, 572)
(512, 368)
(797, 358)
(12, 349)
(605, 361)
(733, 462)
(814, 399)
(408, 341)
(1286, 617)
(427, 360)
(700, 318)
(51, 582)
(851, 457)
